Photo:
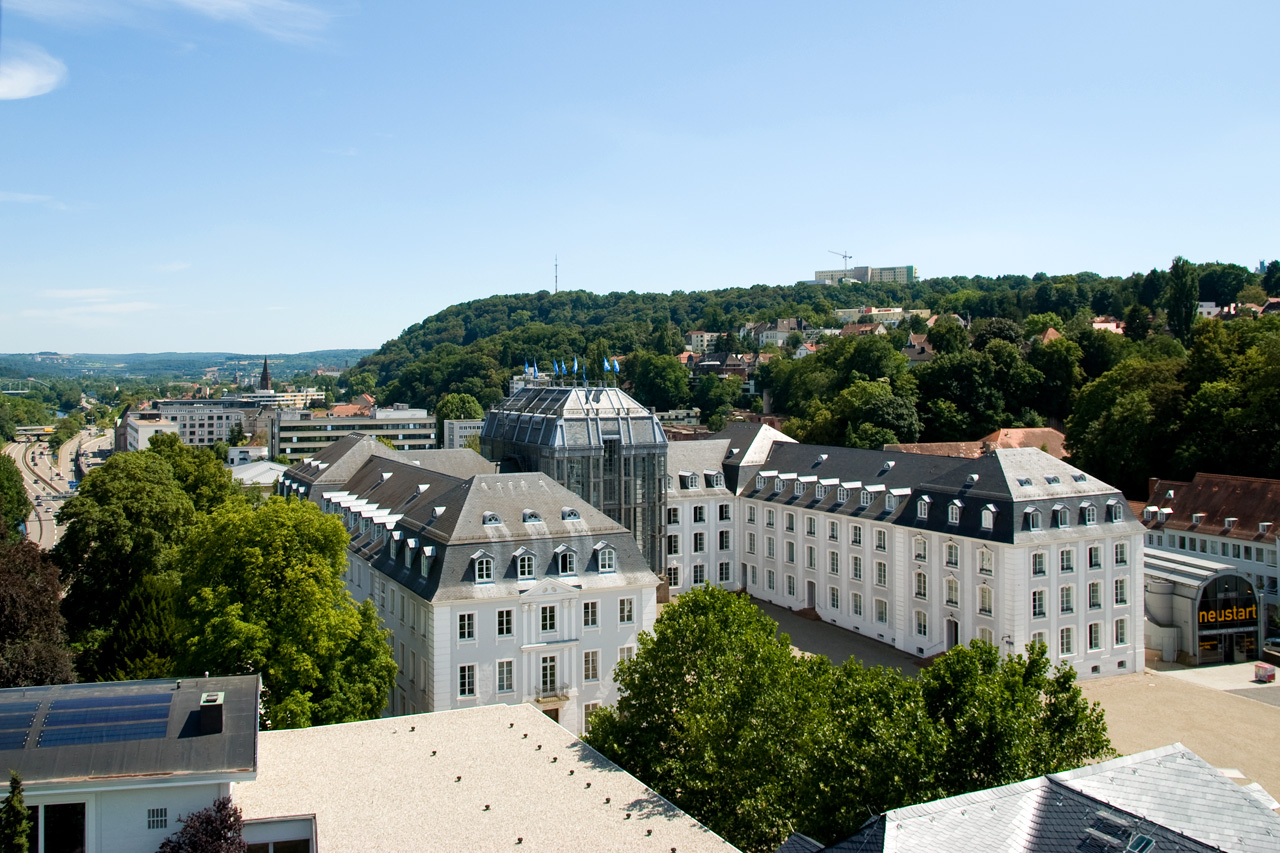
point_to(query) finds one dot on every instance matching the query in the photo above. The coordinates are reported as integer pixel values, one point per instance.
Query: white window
(754, 582)
(1066, 561)
(769, 517)
(550, 683)
(799, 487)
(548, 613)
(1095, 595)
(770, 579)
(810, 526)
(1067, 599)
(699, 574)
(882, 540)
(1095, 556)
(953, 555)
(568, 562)
(751, 542)
(673, 515)
(857, 567)
(1033, 519)
(791, 522)
(1040, 637)
(626, 611)
(751, 513)
(856, 603)
(724, 509)
(922, 509)
(525, 566)
(810, 557)
(590, 614)
(791, 552)
(506, 676)
(921, 549)
(724, 573)
(834, 594)
(882, 573)
(626, 653)
(986, 561)
(953, 592)
(760, 482)
(591, 666)
(922, 585)
(986, 636)
(842, 495)
(466, 626)
(699, 514)
(953, 513)
(833, 562)
(1037, 563)
(1090, 514)
(855, 534)
(985, 598)
(158, 818)
(1095, 636)
(506, 623)
(1066, 645)
(484, 569)
(882, 611)
(988, 518)
(833, 531)
(791, 585)
(1122, 632)
(673, 544)
(865, 498)
(724, 540)
(1122, 554)
(467, 679)
(890, 502)
(922, 624)
(699, 542)
(607, 559)
(1122, 591)
(769, 550)
(1037, 603)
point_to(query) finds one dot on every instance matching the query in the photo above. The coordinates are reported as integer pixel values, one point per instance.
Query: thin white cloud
(176, 266)
(287, 20)
(28, 198)
(27, 71)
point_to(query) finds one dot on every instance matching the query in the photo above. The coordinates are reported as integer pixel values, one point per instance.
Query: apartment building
(196, 424)
(497, 588)
(700, 540)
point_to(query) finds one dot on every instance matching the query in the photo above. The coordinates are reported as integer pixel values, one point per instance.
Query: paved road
(837, 644)
(43, 481)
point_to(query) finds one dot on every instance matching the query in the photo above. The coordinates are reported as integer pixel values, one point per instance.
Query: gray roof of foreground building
(484, 778)
(702, 459)
(1009, 481)
(340, 460)
(556, 416)
(84, 719)
(502, 515)
(1169, 795)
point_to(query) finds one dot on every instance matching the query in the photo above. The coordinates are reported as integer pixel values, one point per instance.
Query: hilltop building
(869, 275)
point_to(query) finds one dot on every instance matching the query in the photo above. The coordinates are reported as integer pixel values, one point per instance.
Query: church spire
(264, 383)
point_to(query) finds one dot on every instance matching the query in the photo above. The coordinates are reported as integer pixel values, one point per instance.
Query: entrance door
(553, 713)
(810, 594)
(953, 633)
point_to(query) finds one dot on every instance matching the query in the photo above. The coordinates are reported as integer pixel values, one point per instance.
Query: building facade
(497, 588)
(700, 537)
(457, 431)
(197, 424)
(300, 433)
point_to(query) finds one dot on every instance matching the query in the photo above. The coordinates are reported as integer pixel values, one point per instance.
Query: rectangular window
(673, 576)
(1095, 595)
(484, 569)
(856, 603)
(986, 561)
(751, 542)
(769, 550)
(791, 585)
(699, 574)
(1037, 564)
(985, 601)
(833, 531)
(855, 534)
(1039, 637)
(1067, 599)
(768, 518)
(466, 626)
(699, 514)
(550, 683)
(922, 623)
(506, 676)
(724, 573)
(1095, 556)
(810, 526)
(791, 552)
(626, 611)
(626, 653)
(810, 557)
(525, 566)
(953, 555)
(921, 549)
(673, 544)
(590, 614)
(699, 542)
(591, 666)
(770, 577)
(1037, 603)
(882, 611)
(1122, 591)
(724, 512)
(673, 515)
(751, 513)
(156, 819)
(548, 617)
(1095, 636)
(724, 540)
(1122, 632)
(857, 567)
(834, 594)
(791, 522)
(506, 623)
(1122, 554)
(753, 576)
(1066, 561)
(833, 562)
(467, 679)
(882, 540)
(1065, 642)
(882, 573)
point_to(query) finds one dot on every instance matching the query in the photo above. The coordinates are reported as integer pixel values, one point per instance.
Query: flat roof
(85, 732)
(475, 778)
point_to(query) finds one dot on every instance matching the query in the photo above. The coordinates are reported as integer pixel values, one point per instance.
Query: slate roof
(182, 751)
(1252, 501)
(1170, 795)
(555, 416)
(337, 462)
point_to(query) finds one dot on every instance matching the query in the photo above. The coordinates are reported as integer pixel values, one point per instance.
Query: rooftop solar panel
(19, 707)
(16, 721)
(89, 716)
(13, 740)
(112, 701)
(101, 734)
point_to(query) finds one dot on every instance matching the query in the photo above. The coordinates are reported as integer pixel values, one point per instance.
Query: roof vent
(1169, 494)
(437, 512)
(1197, 518)
(888, 463)
(1231, 522)
(211, 713)
(972, 479)
(422, 487)
(386, 475)
(822, 457)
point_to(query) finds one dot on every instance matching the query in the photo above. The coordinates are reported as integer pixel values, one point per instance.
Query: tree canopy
(33, 644)
(262, 591)
(15, 506)
(757, 742)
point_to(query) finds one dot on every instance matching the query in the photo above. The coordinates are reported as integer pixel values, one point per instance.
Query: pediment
(550, 586)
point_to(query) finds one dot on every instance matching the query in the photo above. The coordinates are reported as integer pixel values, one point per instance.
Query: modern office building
(456, 432)
(300, 433)
(200, 424)
(596, 441)
(497, 588)
(901, 275)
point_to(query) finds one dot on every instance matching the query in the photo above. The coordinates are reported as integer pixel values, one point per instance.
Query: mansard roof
(1252, 501)
(557, 416)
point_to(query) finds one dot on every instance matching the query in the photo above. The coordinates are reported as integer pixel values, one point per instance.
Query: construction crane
(846, 257)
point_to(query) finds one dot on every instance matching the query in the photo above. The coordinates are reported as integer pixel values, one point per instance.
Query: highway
(45, 484)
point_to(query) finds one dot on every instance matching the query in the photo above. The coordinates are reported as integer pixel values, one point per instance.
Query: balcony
(551, 693)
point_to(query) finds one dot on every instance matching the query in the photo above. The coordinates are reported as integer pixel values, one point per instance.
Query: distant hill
(176, 365)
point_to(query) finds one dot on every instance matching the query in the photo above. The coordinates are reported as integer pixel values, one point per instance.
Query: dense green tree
(996, 329)
(198, 470)
(966, 380)
(1038, 324)
(455, 407)
(1271, 279)
(15, 506)
(1137, 322)
(1251, 294)
(948, 336)
(144, 642)
(1059, 363)
(33, 645)
(1180, 297)
(236, 436)
(716, 396)
(658, 381)
(262, 591)
(15, 819)
(124, 523)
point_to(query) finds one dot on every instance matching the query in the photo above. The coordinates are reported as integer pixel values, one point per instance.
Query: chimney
(1151, 485)
(211, 713)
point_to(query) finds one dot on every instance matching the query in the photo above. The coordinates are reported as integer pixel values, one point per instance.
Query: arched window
(953, 592)
(922, 585)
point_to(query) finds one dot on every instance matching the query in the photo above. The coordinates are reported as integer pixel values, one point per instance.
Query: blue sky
(285, 175)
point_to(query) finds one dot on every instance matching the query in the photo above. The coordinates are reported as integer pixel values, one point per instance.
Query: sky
(291, 175)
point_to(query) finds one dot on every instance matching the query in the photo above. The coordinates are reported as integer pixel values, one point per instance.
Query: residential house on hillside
(918, 349)
(859, 329)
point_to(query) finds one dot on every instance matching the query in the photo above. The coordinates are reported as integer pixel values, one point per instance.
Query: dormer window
(988, 517)
(668, 484)
(606, 558)
(760, 482)
(778, 484)
(819, 492)
(717, 480)
(922, 507)
(1090, 513)
(799, 487)
(1024, 481)
(1079, 477)
(1033, 518)
(483, 563)
(953, 512)
(568, 563)
(1060, 516)
(1231, 522)
(1052, 479)
(532, 517)
(865, 498)
(842, 495)
(491, 518)
(689, 481)
(890, 502)
(526, 565)
(568, 513)
(1114, 513)
(1197, 518)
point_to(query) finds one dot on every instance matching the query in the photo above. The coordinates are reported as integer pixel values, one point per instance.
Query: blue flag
(575, 365)
(615, 365)
(526, 365)
(555, 368)
(535, 370)
(606, 365)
